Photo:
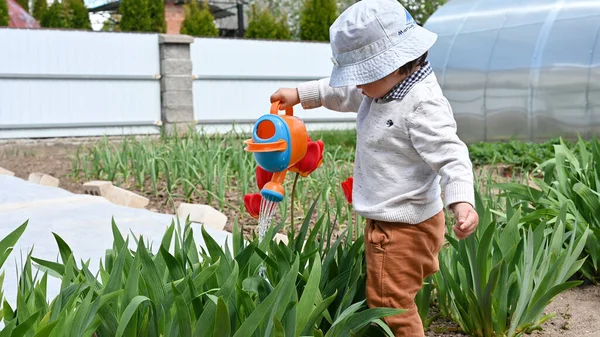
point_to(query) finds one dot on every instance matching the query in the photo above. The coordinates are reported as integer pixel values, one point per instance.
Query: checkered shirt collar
(402, 88)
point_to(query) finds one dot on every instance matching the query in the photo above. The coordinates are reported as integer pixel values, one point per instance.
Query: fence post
(177, 101)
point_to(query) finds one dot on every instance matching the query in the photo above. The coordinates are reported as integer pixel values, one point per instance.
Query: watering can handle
(275, 109)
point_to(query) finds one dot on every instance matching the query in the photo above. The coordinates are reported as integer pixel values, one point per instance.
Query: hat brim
(385, 63)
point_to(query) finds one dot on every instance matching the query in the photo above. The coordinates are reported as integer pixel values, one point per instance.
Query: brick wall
(174, 16)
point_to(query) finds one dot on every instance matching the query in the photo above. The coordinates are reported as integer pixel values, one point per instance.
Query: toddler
(406, 145)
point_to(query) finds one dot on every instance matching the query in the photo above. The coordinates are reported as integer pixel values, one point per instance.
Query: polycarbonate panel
(543, 71)
(508, 83)
(561, 92)
(469, 56)
(447, 23)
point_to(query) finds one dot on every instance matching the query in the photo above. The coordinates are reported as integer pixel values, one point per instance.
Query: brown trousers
(399, 257)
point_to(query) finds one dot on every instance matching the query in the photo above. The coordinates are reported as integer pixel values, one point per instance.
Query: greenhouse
(520, 69)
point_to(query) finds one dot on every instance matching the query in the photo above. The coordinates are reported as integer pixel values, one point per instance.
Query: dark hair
(405, 69)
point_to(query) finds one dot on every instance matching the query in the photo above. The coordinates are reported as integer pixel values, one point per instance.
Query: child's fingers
(470, 223)
(277, 96)
(459, 234)
(287, 97)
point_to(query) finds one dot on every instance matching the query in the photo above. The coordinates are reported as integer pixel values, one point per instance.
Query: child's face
(381, 87)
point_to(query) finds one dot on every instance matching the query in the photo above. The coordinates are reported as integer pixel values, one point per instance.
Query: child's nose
(359, 86)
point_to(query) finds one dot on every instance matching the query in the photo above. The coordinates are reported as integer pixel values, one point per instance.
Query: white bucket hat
(372, 39)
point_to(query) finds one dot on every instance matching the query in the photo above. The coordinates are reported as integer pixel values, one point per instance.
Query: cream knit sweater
(403, 148)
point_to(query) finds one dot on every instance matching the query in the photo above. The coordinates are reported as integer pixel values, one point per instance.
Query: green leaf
(8, 328)
(361, 319)
(213, 247)
(267, 307)
(129, 312)
(150, 275)
(538, 307)
(26, 326)
(222, 325)
(205, 274)
(299, 240)
(46, 330)
(590, 198)
(53, 268)
(175, 268)
(116, 275)
(119, 242)
(278, 329)
(243, 258)
(63, 247)
(318, 312)
(132, 282)
(307, 300)
(204, 326)
(9, 241)
(182, 313)
(168, 237)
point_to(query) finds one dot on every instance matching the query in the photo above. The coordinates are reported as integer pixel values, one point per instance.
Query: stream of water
(265, 217)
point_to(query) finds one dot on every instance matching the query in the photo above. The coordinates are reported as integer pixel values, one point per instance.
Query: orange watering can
(278, 142)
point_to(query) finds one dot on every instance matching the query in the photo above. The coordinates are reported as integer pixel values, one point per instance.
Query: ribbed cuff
(309, 94)
(459, 192)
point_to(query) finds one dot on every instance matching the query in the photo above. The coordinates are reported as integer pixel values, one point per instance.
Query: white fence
(56, 83)
(234, 79)
(74, 83)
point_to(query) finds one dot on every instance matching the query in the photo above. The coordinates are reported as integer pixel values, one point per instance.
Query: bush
(135, 16)
(39, 8)
(67, 14)
(157, 16)
(55, 16)
(316, 18)
(264, 25)
(78, 15)
(4, 16)
(199, 21)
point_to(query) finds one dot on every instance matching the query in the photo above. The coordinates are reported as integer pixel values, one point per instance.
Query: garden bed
(576, 309)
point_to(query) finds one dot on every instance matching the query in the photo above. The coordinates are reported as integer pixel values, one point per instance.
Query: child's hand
(467, 219)
(288, 97)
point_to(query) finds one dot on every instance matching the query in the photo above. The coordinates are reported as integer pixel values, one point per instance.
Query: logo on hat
(410, 22)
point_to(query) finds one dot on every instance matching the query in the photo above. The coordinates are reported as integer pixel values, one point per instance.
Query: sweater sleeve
(432, 130)
(314, 94)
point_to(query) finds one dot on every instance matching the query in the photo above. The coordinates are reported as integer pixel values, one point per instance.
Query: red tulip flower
(312, 160)
(262, 177)
(252, 204)
(347, 187)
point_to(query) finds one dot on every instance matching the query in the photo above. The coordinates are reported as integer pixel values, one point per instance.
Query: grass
(524, 156)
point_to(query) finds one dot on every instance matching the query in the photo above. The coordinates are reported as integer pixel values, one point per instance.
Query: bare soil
(577, 314)
(577, 310)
